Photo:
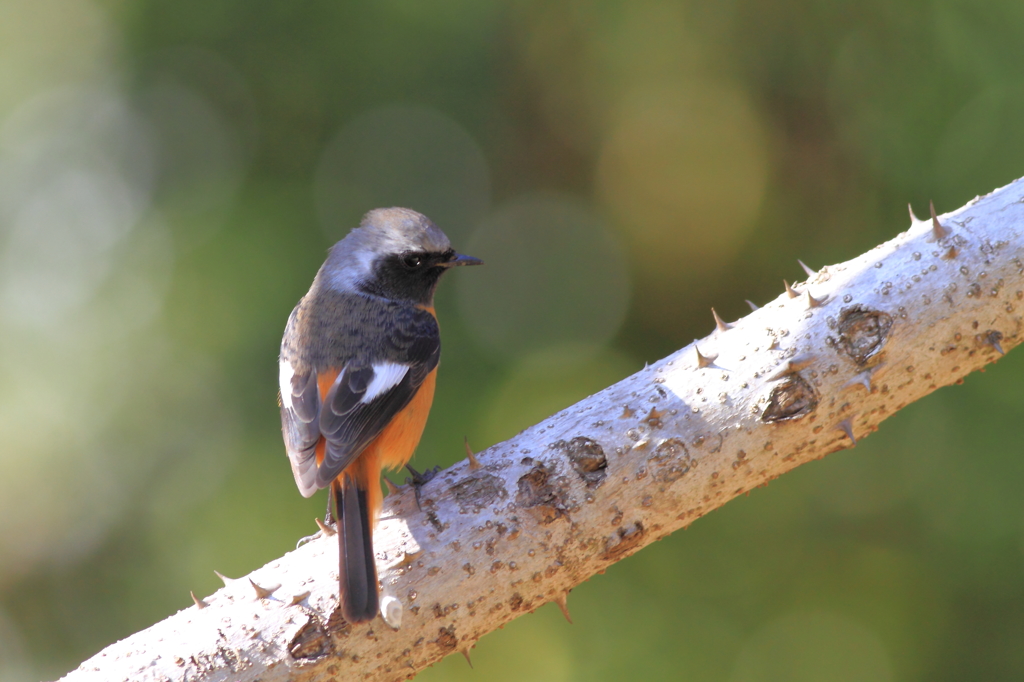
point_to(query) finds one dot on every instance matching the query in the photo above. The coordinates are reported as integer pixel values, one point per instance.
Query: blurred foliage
(171, 175)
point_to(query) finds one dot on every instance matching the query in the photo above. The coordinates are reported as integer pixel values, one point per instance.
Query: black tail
(357, 571)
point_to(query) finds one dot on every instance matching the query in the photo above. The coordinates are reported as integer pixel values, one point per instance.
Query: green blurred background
(171, 174)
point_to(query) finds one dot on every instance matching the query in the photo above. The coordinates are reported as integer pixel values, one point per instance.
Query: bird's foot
(418, 480)
(327, 527)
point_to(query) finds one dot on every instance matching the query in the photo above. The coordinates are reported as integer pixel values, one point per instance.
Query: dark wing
(368, 374)
(300, 407)
(369, 392)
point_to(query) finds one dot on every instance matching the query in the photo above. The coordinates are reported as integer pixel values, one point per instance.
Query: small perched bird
(358, 364)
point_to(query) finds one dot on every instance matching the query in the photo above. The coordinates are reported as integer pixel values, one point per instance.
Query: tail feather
(357, 570)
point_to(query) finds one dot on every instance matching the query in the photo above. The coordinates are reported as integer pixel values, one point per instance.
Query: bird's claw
(418, 480)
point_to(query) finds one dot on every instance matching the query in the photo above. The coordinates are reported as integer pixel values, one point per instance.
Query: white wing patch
(385, 377)
(285, 380)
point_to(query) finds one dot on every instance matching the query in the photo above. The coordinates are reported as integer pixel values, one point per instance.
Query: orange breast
(395, 444)
(399, 439)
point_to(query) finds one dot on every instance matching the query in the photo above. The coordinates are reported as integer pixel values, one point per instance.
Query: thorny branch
(808, 374)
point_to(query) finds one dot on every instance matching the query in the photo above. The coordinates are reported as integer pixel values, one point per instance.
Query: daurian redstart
(358, 363)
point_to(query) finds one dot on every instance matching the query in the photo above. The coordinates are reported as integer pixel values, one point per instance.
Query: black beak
(461, 259)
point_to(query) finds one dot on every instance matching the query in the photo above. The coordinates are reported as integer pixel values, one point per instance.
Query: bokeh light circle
(48, 43)
(813, 647)
(683, 172)
(540, 384)
(85, 266)
(402, 156)
(555, 275)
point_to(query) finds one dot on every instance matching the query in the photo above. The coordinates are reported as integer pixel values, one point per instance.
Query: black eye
(412, 261)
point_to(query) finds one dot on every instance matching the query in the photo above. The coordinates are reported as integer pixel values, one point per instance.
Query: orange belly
(395, 444)
(399, 439)
(392, 448)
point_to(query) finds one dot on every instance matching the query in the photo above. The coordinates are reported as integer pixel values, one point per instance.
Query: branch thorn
(861, 379)
(793, 365)
(263, 592)
(789, 290)
(914, 220)
(702, 360)
(938, 231)
(562, 600)
(473, 463)
(993, 338)
(847, 428)
(410, 557)
(720, 325)
(199, 602)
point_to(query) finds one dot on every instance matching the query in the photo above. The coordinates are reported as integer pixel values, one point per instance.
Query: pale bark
(564, 499)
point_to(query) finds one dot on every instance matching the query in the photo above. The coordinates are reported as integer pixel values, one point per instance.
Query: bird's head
(395, 253)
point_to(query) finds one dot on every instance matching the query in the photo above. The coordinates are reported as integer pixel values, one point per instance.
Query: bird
(358, 365)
